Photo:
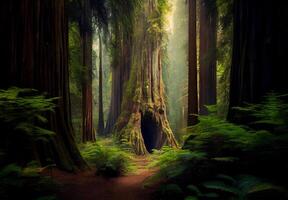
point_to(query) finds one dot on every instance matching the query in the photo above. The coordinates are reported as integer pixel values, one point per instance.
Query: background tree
(87, 13)
(100, 129)
(208, 38)
(121, 22)
(86, 47)
(192, 62)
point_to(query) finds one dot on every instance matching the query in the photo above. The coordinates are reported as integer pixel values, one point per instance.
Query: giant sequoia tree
(143, 122)
(260, 46)
(35, 55)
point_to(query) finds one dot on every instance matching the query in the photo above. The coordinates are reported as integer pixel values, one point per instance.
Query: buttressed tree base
(143, 122)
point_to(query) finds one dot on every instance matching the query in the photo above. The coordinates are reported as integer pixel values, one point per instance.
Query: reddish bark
(35, 55)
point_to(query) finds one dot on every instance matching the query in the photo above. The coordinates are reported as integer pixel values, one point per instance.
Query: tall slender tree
(208, 37)
(101, 114)
(192, 62)
(35, 55)
(86, 47)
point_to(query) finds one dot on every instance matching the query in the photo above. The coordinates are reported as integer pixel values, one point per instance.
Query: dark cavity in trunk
(150, 131)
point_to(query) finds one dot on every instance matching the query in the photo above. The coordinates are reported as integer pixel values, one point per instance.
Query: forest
(143, 100)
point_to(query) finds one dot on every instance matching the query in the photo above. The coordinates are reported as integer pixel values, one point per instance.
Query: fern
(22, 110)
(240, 186)
(172, 163)
(109, 159)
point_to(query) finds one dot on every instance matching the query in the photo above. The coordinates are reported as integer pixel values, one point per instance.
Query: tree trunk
(208, 36)
(192, 61)
(35, 55)
(101, 114)
(260, 48)
(87, 107)
(120, 75)
(143, 123)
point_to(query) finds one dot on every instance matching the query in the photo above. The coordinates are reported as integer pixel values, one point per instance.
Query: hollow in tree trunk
(143, 123)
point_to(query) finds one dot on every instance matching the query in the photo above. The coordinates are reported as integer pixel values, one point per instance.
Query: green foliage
(171, 191)
(75, 66)
(173, 162)
(224, 53)
(241, 187)
(271, 114)
(219, 137)
(258, 149)
(158, 19)
(22, 110)
(123, 12)
(23, 124)
(109, 159)
(25, 183)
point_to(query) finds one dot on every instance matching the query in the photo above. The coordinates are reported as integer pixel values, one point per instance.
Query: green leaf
(191, 198)
(218, 185)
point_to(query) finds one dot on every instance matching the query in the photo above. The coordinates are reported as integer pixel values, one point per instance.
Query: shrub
(109, 159)
(22, 123)
(216, 146)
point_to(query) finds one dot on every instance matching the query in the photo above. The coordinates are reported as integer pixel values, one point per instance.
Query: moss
(137, 100)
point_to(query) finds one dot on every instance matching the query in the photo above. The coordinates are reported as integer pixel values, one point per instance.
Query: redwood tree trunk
(208, 36)
(101, 114)
(192, 61)
(260, 48)
(143, 123)
(35, 55)
(87, 98)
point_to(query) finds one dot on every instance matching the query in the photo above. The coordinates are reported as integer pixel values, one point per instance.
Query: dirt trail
(87, 186)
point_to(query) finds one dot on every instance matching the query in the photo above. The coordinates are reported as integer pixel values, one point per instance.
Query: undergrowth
(23, 124)
(109, 159)
(25, 183)
(222, 160)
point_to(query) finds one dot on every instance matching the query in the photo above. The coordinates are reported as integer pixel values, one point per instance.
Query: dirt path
(87, 186)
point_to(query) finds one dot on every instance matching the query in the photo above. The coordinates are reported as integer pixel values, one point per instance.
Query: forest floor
(87, 186)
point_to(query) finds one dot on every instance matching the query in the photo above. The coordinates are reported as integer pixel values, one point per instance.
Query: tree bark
(208, 37)
(87, 97)
(35, 55)
(120, 74)
(143, 123)
(101, 114)
(192, 61)
(259, 52)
